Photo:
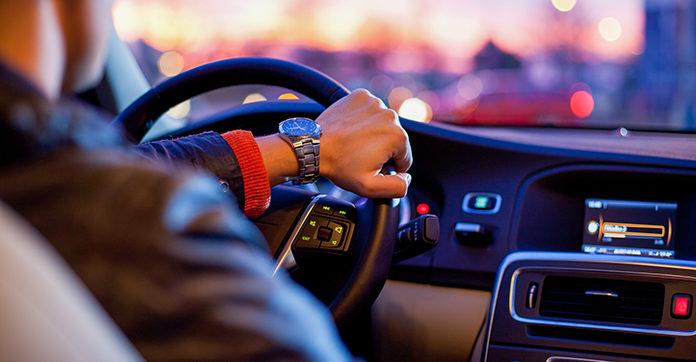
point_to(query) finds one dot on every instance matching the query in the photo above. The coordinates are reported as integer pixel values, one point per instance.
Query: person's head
(60, 45)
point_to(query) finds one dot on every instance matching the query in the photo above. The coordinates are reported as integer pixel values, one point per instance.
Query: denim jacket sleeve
(206, 151)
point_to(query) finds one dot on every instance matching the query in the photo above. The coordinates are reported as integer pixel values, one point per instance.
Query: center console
(560, 306)
(605, 268)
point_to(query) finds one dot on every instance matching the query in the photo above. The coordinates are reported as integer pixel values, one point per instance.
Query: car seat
(47, 313)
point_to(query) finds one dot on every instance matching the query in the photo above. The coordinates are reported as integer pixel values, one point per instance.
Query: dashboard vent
(605, 300)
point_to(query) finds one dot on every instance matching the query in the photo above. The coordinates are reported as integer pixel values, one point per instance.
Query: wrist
(257, 192)
(303, 136)
(278, 158)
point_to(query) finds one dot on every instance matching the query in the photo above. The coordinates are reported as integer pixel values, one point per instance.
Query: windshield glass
(565, 63)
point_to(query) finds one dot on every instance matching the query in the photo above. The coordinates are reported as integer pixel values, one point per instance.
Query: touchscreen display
(629, 228)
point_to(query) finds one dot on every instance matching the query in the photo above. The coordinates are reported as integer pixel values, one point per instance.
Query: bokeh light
(564, 5)
(470, 87)
(422, 209)
(253, 98)
(610, 29)
(397, 96)
(288, 96)
(453, 30)
(442, 60)
(415, 109)
(581, 104)
(181, 110)
(170, 63)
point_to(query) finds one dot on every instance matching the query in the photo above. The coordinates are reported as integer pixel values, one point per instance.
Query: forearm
(233, 157)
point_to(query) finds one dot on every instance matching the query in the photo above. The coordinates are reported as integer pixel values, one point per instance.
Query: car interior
(541, 225)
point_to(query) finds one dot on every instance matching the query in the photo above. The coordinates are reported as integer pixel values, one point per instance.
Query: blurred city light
(470, 87)
(181, 110)
(254, 97)
(380, 84)
(170, 63)
(564, 5)
(397, 96)
(610, 29)
(415, 109)
(288, 96)
(431, 98)
(486, 62)
(581, 104)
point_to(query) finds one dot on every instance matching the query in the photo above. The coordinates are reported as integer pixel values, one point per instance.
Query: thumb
(388, 186)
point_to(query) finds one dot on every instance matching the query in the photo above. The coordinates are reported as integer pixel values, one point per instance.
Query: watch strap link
(307, 152)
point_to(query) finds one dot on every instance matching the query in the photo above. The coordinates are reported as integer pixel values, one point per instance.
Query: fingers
(387, 186)
(401, 152)
(403, 161)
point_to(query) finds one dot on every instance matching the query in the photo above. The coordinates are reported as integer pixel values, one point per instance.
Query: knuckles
(361, 94)
(400, 135)
(376, 114)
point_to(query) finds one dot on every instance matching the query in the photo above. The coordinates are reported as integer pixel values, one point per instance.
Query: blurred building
(666, 78)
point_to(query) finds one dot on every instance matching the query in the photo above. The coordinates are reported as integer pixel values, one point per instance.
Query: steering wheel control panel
(328, 226)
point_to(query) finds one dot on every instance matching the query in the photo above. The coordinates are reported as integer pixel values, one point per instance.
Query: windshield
(565, 63)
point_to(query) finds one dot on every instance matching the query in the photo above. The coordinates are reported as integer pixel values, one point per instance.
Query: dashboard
(601, 218)
(542, 181)
(607, 212)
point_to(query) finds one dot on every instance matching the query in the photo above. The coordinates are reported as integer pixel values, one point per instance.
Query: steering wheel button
(307, 240)
(325, 209)
(337, 231)
(344, 213)
(324, 233)
(331, 244)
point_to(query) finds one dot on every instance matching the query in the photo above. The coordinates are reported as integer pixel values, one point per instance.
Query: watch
(303, 136)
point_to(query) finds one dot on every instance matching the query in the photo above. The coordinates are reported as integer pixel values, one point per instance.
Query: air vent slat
(626, 301)
(574, 294)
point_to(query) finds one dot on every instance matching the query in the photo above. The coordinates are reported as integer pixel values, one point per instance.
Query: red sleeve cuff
(257, 191)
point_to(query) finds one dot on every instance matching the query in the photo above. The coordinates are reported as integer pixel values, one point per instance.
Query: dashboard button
(481, 203)
(472, 234)
(681, 306)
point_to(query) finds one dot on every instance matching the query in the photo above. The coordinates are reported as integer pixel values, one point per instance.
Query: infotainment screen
(629, 228)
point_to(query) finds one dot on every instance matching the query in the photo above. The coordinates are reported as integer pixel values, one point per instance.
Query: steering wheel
(371, 250)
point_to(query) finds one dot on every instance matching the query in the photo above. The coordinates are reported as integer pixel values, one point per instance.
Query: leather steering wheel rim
(372, 267)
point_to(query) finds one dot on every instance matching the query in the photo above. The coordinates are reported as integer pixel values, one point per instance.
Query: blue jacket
(169, 256)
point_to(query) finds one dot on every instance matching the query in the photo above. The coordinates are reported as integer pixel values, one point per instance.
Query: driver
(173, 261)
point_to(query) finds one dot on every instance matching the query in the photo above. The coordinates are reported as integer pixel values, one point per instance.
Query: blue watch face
(299, 127)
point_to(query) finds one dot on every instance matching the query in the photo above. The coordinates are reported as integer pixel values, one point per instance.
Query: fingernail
(408, 179)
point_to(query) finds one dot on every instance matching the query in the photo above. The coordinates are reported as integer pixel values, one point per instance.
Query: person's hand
(359, 135)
